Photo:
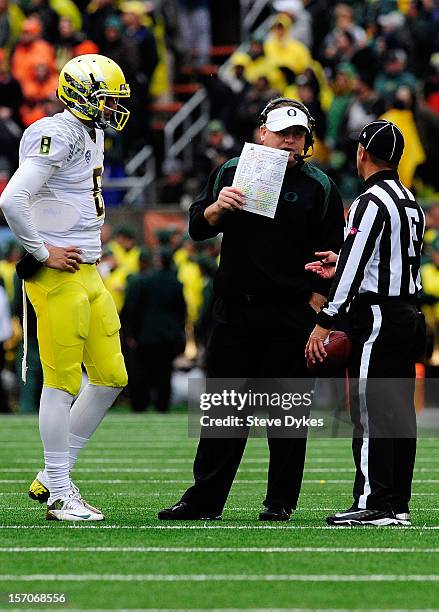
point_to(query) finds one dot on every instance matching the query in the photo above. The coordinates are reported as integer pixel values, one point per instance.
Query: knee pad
(105, 363)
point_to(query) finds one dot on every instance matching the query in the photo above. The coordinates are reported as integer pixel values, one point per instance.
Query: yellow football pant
(77, 323)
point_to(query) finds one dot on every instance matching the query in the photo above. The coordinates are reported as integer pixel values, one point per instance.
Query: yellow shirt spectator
(67, 8)
(126, 254)
(282, 50)
(189, 274)
(257, 67)
(430, 283)
(128, 260)
(414, 153)
(7, 272)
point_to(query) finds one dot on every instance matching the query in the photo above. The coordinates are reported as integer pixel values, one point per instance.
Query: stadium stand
(197, 78)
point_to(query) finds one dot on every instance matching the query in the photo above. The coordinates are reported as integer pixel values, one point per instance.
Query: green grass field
(137, 464)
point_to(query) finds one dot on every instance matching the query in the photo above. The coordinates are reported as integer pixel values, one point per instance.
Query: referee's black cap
(383, 139)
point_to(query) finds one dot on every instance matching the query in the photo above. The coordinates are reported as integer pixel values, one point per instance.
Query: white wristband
(42, 254)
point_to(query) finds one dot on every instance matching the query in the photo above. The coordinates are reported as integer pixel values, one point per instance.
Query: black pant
(150, 373)
(253, 339)
(382, 378)
(4, 400)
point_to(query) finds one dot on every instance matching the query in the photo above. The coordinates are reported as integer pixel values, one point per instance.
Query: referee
(377, 282)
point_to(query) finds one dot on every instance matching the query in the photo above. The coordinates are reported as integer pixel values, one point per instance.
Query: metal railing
(250, 11)
(135, 184)
(190, 120)
(193, 117)
(180, 131)
(246, 27)
(179, 134)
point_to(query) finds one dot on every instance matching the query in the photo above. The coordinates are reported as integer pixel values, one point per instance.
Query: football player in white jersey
(53, 204)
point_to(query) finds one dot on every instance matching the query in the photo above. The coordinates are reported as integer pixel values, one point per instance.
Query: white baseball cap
(284, 117)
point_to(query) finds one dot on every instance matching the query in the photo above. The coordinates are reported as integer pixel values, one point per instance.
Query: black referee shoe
(184, 512)
(272, 513)
(379, 518)
(403, 518)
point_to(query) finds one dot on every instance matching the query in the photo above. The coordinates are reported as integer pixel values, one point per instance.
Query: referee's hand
(325, 266)
(315, 348)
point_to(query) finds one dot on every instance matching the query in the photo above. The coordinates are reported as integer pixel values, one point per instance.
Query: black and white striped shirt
(381, 254)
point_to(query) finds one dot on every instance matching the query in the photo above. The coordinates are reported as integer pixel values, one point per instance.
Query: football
(338, 347)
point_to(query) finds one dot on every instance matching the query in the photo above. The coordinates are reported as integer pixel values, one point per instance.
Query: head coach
(377, 282)
(266, 302)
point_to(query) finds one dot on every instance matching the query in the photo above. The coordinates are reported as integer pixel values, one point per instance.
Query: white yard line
(189, 481)
(206, 525)
(37, 508)
(171, 495)
(146, 442)
(315, 444)
(202, 549)
(219, 578)
(184, 481)
(186, 469)
(233, 610)
(163, 460)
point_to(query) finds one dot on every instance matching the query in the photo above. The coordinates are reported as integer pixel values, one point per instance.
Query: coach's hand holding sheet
(259, 175)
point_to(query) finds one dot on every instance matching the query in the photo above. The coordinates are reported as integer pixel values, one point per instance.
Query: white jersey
(68, 209)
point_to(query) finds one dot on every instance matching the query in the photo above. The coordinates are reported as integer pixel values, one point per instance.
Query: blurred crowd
(149, 40)
(349, 62)
(163, 293)
(430, 283)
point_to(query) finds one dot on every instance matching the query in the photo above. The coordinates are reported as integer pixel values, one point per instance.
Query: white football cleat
(72, 508)
(76, 493)
(39, 491)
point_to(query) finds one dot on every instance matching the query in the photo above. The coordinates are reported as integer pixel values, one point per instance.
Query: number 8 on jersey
(97, 192)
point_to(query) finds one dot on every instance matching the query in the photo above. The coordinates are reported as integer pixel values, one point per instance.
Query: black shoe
(275, 514)
(184, 512)
(362, 517)
(403, 518)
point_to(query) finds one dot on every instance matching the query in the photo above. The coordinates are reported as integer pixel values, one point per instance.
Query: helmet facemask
(94, 98)
(107, 111)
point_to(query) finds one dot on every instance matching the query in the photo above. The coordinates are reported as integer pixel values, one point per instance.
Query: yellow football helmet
(91, 85)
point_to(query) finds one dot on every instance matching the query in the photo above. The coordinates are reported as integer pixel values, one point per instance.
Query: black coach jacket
(266, 257)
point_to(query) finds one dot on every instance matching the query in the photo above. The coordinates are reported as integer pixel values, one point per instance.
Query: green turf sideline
(306, 546)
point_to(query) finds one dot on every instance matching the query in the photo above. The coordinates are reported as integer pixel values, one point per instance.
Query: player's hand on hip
(230, 199)
(63, 258)
(315, 348)
(325, 266)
